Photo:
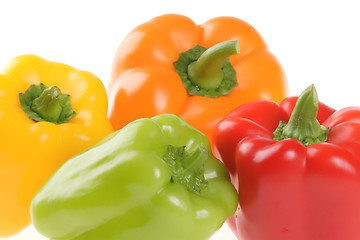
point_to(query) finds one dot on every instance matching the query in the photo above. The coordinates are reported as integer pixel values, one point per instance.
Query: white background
(315, 41)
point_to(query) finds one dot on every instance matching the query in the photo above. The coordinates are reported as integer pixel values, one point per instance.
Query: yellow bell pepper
(41, 127)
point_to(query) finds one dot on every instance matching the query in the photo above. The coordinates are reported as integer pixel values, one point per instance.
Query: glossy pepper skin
(145, 83)
(288, 190)
(31, 151)
(125, 188)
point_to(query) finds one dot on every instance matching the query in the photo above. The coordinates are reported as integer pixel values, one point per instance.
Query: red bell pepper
(296, 180)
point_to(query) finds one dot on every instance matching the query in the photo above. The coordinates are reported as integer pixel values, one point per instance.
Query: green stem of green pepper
(303, 124)
(195, 160)
(187, 168)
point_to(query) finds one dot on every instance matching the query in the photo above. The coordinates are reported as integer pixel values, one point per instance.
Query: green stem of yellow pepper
(42, 103)
(47, 105)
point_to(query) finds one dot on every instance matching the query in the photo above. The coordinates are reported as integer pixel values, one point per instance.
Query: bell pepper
(49, 112)
(296, 168)
(198, 72)
(155, 179)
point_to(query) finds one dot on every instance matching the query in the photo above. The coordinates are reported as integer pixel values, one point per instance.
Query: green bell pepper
(155, 179)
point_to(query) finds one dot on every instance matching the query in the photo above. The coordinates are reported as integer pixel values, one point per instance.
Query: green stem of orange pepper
(206, 71)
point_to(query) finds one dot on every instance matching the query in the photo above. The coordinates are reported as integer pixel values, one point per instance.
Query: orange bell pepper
(49, 112)
(145, 82)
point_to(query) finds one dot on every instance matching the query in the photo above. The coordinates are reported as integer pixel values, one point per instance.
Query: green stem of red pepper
(303, 124)
(206, 71)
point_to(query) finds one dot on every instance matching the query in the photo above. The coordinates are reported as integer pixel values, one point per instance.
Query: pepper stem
(303, 124)
(195, 160)
(187, 168)
(42, 103)
(206, 71)
(47, 104)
